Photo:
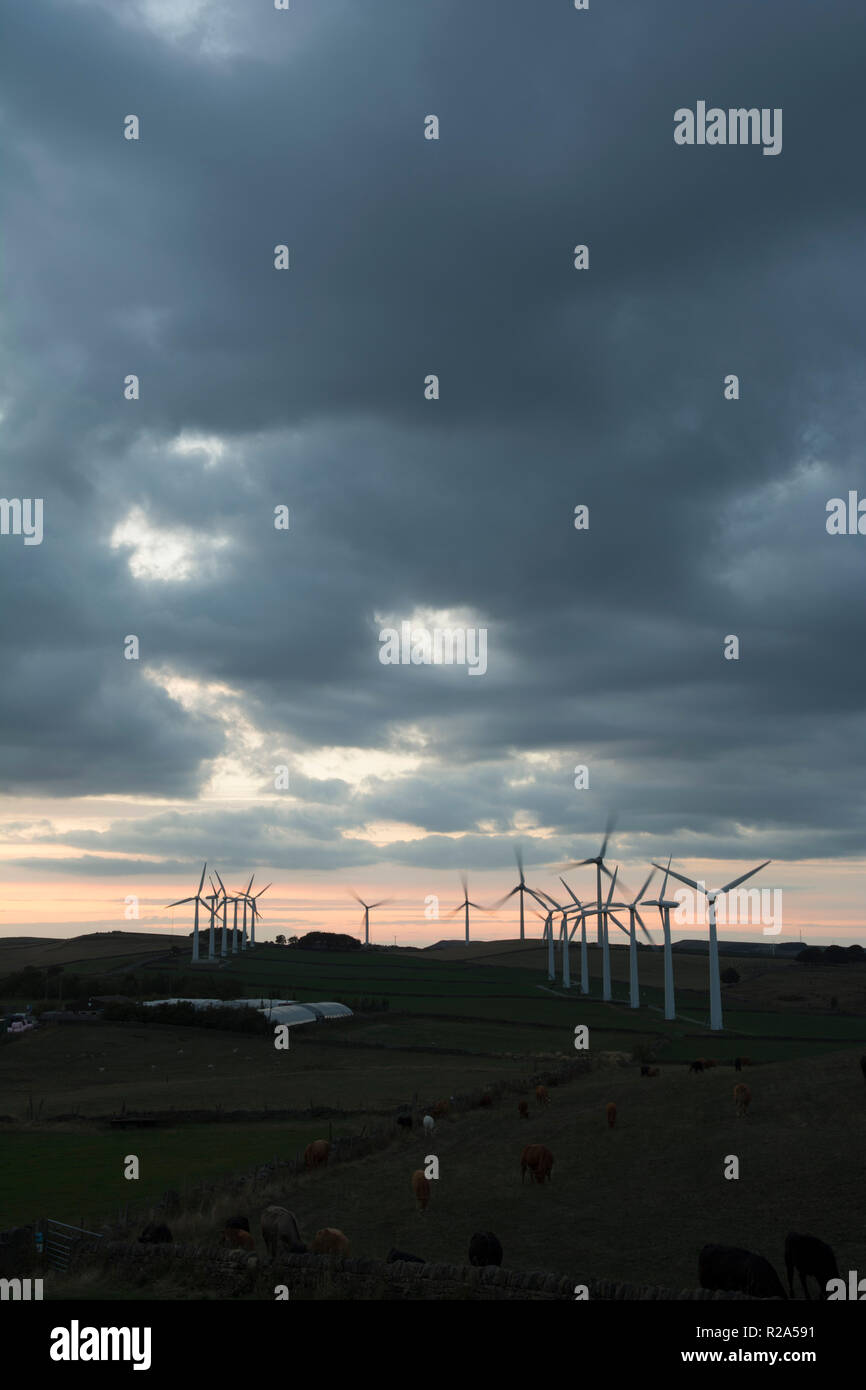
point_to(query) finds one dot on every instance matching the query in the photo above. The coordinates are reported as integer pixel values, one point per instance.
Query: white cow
(429, 1124)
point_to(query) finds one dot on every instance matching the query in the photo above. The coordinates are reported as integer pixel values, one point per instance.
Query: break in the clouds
(304, 389)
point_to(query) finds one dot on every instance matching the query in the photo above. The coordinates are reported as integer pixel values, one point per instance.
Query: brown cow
(239, 1239)
(742, 1096)
(654, 1071)
(439, 1109)
(523, 1109)
(329, 1241)
(316, 1154)
(421, 1188)
(611, 1113)
(486, 1099)
(542, 1095)
(538, 1160)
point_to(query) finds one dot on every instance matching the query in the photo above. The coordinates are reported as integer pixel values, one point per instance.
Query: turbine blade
(608, 831)
(568, 889)
(355, 896)
(619, 924)
(682, 878)
(465, 883)
(650, 876)
(201, 882)
(743, 877)
(518, 855)
(180, 902)
(612, 885)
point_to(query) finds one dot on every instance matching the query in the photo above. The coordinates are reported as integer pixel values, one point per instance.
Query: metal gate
(60, 1240)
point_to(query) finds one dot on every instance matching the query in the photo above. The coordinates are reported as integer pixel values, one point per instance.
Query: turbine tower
(196, 898)
(634, 991)
(367, 910)
(715, 979)
(664, 906)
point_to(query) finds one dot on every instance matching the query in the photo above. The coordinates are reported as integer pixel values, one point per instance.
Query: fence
(61, 1240)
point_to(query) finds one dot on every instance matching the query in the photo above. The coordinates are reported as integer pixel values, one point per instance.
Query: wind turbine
(254, 911)
(367, 910)
(715, 980)
(465, 905)
(522, 889)
(664, 906)
(196, 898)
(601, 934)
(225, 902)
(244, 897)
(580, 913)
(634, 991)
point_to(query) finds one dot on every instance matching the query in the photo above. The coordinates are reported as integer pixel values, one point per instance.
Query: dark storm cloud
(410, 257)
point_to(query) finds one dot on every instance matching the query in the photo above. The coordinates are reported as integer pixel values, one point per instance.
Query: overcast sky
(259, 647)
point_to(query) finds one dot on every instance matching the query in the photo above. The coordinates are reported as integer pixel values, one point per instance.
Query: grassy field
(76, 1176)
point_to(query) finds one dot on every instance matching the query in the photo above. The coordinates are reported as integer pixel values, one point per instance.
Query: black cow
(155, 1234)
(808, 1255)
(484, 1249)
(738, 1065)
(402, 1256)
(404, 1121)
(644, 1071)
(696, 1066)
(238, 1223)
(725, 1267)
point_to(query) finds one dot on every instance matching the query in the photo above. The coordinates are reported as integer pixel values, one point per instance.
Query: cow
(523, 1109)
(421, 1188)
(538, 1160)
(394, 1257)
(329, 1241)
(611, 1114)
(542, 1095)
(650, 1071)
(746, 1062)
(742, 1097)
(155, 1234)
(429, 1125)
(808, 1255)
(738, 1064)
(279, 1231)
(696, 1066)
(439, 1110)
(485, 1249)
(644, 1071)
(316, 1154)
(728, 1269)
(404, 1121)
(240, 1223)
(238, 1239)
(486, 1099)
(708, 1063)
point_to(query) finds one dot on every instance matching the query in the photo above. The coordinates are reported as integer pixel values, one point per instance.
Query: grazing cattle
(746, 1062)
(329, 1241)
(279, 1231)
(742, 1097)
(240, 1223)
(429, 1124)
(486, 1099)
(485, 1249)
(808, 1255)
(728, 1269)
(439, 1110)
(538, 1160)
(611, 1113)
(404, 1121)
(316, 1154)
(394, 1257)
(523, 1109)
(644, 1071)
(421, 1188)
(650, 1071)
(239, 1239)
(708, 1063)
(542, 1095)
(696, 1066)
(155, 1234)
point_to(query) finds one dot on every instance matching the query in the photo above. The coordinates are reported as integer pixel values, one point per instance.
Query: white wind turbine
(196, 898)
(368, 907)
(521, 888)
(634, 991)
(715, 978)
(465, 905)
(601, 933)
(580, 913)
(664, 906)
